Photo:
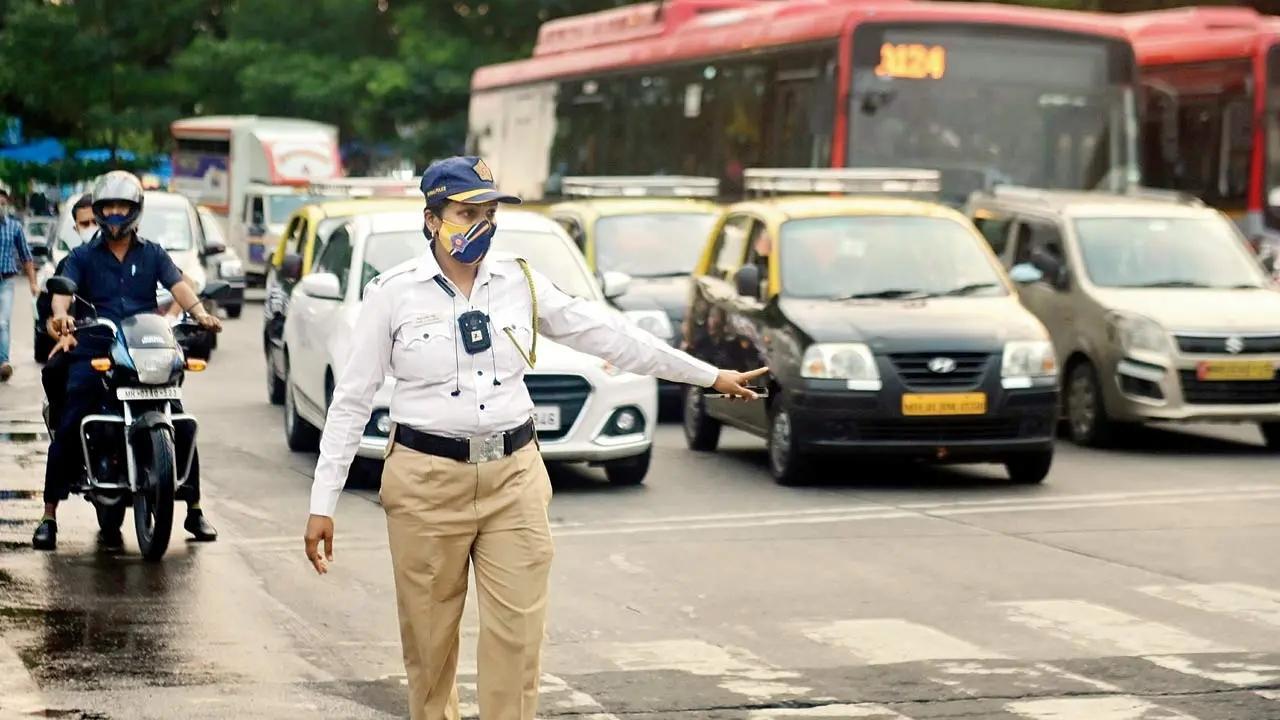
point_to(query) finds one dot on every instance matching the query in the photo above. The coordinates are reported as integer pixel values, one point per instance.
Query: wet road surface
(1137, 584)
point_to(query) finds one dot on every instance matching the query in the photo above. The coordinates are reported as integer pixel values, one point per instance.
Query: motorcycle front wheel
(153, 502)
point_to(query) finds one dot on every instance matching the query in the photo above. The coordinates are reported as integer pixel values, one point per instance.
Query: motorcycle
(137, 451)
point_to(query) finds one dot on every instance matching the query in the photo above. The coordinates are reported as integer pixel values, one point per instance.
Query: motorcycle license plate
(145, 393)
(546, 419)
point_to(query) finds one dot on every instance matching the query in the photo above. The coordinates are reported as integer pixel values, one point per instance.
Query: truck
(252, 172)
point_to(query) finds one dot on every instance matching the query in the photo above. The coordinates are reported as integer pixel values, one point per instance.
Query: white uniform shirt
(408, 329)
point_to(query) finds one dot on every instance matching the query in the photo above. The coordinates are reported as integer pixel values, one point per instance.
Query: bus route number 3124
(912, 60)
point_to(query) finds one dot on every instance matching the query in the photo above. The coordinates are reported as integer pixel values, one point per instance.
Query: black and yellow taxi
(642, 236)
(889, 326)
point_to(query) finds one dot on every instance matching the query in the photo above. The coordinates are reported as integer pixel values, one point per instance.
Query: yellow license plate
(1236, 370)
(944, 404)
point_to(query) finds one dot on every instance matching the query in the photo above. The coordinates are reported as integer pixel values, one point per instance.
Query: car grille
(1217, 345)
(941, 431)
(914, 370)
(568, 392)
(1228, 392)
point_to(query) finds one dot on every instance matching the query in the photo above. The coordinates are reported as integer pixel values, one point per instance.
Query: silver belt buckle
(485, 449)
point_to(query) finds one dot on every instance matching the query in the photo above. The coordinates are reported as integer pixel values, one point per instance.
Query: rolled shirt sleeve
(167, 271)
(367, 364)
(24, 249)
(596, 330)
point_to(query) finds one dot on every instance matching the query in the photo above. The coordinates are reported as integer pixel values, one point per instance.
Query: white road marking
(18, 690)
(1093, 708)
(892, 640)
(1106, 630)
(557, 693)
(1269, 694)
(1248, 602)
(1230, 672)
(876, 712)
(740, 671)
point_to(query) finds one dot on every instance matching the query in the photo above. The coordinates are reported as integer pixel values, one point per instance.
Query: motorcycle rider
(117, 272)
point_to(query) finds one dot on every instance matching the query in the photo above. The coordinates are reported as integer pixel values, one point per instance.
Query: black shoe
(199, 527)
(111, 540)
(46, 535)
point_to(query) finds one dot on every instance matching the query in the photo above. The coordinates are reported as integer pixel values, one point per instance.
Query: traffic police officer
(463, 480)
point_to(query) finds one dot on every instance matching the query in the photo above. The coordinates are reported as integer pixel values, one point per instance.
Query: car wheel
(233, 311)
(1029, 469)
(787, 462)
(1087, 417)
(628, 471)
(275, 386)
(301, 435)
(1271, 433)
(701, 431)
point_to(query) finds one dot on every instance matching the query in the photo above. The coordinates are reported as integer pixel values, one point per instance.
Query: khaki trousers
(441, 514)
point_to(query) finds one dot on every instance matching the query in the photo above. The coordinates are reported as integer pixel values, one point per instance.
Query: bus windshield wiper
(1170, 284)
(889, 294)
(971, 288)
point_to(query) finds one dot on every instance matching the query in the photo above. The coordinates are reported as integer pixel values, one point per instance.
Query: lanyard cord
(532, 358)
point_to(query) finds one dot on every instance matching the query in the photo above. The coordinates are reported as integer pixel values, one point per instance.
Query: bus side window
(257, 217)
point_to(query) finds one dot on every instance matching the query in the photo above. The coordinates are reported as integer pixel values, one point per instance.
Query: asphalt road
(1136, 584)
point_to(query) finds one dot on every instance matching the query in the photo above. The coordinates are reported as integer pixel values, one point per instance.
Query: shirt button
(480, 373)
(482, 407)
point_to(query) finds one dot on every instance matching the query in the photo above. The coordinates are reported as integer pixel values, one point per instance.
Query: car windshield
(884, 257)
(280, 207)
(168, 225)
(384, 251)
(1165, 252)
(547, 253)
(656, 245)
(212, 230)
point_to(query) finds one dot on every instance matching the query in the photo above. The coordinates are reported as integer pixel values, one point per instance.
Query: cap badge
(483, 172)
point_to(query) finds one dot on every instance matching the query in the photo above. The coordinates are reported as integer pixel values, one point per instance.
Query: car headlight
(842, 361)
(1136, 333)
(230, 268)
(1026, 360)
(654, 322)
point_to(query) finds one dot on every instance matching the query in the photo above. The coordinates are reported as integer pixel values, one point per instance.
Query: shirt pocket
(508, 347)
(424, 353)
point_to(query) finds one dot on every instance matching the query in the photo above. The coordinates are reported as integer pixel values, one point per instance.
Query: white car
(586, 410)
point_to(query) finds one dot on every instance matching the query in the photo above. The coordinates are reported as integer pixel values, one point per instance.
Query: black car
(889, 328)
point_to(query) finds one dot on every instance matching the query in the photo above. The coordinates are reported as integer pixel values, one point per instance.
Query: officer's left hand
(210, 322)
(733, 383)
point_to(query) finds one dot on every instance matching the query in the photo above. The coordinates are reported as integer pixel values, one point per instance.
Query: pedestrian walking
(464, 482)
(15, 260)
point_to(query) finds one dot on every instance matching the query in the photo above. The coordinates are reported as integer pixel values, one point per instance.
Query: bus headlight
(852, 362)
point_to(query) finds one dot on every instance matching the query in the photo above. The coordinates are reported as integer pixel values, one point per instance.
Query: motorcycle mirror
(59, 285)
(215, 290)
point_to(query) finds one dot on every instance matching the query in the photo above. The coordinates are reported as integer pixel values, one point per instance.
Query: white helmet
(118, 186)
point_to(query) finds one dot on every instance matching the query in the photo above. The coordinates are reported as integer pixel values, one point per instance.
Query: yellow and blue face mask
(467, 243)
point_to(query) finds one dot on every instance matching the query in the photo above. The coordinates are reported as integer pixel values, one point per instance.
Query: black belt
(473, 450)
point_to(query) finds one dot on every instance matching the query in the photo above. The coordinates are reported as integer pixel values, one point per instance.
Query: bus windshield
(1022, 107)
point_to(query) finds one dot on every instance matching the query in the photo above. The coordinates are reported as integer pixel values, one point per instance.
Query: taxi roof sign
(357, 187)
(861, 181)
(640, 186)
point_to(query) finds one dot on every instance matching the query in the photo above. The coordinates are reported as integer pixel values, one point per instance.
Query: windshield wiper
(971, 288)
(1170, 284)
(890, 294)
(659, 275)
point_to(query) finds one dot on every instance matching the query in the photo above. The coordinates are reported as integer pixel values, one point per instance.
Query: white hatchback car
(586, 410)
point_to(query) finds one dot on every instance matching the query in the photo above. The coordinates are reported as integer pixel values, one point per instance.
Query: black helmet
(115, 187)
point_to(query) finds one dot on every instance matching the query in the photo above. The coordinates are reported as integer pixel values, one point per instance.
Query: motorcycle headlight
(654, 322)
(1139, 334)
(1026, 360)
(842, 361)
(230, 269)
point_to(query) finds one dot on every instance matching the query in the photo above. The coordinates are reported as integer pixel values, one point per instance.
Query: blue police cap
(463, 179)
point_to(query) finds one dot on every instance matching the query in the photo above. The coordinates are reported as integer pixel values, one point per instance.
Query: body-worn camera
(474, 326)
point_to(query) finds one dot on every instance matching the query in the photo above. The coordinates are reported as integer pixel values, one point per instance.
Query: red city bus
(982, 92)
(1211, 109)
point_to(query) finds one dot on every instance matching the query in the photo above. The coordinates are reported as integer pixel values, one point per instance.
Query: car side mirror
(215, 290)
(1025, 274)
(615, 284)
(747, 280)
(214, 247)
(324, 286)
(291, 267)
(59, 285)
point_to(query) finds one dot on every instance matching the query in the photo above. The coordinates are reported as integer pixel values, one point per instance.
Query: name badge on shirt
(424, 319)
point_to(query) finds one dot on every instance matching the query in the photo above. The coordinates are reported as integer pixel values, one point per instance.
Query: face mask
(467, 244)
(86, 234)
